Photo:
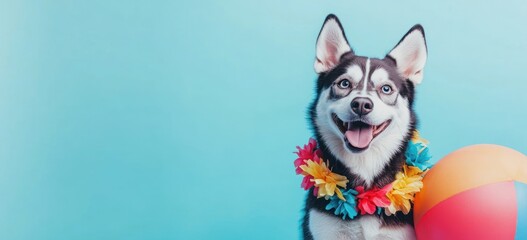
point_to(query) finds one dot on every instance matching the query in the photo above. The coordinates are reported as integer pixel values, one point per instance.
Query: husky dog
(363, 118)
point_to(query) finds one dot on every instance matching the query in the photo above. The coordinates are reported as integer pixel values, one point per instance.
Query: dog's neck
(381, 176)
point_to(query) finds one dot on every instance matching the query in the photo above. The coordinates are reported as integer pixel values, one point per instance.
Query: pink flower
(368, 201)
(307, 183)
(308, 152)
(315, 192)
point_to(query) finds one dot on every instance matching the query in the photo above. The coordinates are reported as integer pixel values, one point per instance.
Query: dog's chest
(328, 227)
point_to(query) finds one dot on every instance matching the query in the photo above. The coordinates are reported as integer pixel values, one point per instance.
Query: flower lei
(394, 197)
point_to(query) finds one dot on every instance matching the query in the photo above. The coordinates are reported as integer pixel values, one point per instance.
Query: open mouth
(358, 134)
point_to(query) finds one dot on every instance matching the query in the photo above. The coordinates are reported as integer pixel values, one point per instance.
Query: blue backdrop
(177, 120)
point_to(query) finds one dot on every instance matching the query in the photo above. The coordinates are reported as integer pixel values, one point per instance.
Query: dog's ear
(410, 54)
(331, 45)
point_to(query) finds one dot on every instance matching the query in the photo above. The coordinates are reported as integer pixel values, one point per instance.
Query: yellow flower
(404, 187)
(416, 137)
(325, 180)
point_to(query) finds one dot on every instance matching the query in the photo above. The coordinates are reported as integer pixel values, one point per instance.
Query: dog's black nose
(361, 105)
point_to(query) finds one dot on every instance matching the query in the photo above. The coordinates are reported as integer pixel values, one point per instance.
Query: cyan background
(178, 119)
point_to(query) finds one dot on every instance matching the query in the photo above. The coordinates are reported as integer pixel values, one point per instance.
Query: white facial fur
(370, 162)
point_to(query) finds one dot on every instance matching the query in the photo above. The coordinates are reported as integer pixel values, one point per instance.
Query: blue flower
(418, 155)
(379, 210)
(344, 208)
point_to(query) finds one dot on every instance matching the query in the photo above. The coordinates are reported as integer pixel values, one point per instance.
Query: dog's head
(363, 111)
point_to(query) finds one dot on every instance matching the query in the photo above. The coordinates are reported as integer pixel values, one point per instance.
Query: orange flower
(416, 137)
(404, 187)
(325, 180)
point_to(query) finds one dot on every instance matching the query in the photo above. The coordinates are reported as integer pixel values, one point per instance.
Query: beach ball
(477, 192)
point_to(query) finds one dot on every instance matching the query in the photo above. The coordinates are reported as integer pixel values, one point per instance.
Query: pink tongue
(360, 137)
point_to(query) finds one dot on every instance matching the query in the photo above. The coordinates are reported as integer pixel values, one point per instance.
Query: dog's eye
(344, 84)
(386, 89)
